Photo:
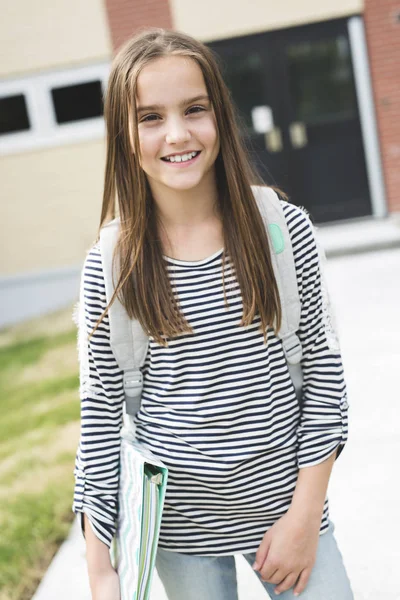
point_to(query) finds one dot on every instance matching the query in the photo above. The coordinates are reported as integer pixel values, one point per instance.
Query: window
(13, 114)
(321, 81)
(78, 102)
(52, 108)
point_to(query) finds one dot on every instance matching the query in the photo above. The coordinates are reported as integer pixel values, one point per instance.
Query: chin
(183, 185)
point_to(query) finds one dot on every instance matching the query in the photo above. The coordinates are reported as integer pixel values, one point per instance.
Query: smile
(182, 159)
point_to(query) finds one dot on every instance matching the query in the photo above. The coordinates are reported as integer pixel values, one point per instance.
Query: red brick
(383, 39)
(127, 16)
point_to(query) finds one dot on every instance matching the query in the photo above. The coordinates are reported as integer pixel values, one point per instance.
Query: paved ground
(364, 486)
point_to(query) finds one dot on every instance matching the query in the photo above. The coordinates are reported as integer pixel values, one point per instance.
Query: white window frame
(44, 130)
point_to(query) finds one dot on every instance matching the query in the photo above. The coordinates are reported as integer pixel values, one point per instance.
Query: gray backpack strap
(285, 274)
(127, 338)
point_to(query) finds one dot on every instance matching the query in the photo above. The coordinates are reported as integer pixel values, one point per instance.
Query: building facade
(316, 83)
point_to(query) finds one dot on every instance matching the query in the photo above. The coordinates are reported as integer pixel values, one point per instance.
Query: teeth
(181, 158)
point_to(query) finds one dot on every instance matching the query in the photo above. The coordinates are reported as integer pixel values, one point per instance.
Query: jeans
(190, 577)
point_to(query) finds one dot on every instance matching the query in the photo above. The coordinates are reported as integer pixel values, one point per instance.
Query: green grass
(39, 431)
(22, 417)
(26, 352)
(35, 526)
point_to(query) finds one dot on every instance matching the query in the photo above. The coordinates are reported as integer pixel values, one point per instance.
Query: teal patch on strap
(278, 241)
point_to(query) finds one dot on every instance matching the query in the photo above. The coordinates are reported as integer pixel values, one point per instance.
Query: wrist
(100, 578)
(99, 572)
(309, 496)
(309, 512)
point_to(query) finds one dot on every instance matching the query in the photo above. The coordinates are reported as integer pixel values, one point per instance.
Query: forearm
(311, 488)
(97, 553)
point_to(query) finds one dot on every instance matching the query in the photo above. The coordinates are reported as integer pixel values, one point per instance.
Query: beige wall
(210, 20)
(51, 33)
(50, 208)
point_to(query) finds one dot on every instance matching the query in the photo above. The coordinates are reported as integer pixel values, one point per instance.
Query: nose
(177, 132)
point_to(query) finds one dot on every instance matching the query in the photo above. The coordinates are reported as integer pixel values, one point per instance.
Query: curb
(361, 236)
(66, 576)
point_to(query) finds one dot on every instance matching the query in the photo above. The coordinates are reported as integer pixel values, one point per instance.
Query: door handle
(263, 122)
(273, 140)
(298, 134)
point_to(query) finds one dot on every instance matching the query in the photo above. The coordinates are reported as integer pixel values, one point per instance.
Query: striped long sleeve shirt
(218, 406)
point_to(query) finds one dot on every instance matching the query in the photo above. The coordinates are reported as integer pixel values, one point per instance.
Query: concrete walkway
(365, 288)
(360, 235)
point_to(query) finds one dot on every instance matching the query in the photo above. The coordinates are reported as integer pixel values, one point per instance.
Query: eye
(153, 117)
(148, 118)
(196, 109)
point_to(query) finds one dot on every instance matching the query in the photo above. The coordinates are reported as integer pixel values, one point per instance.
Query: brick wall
(126, 16)
(382, 22)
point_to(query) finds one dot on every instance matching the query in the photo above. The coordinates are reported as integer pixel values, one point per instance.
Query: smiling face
(176, 124)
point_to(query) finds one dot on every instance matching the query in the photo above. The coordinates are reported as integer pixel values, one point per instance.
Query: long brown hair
(143, 285)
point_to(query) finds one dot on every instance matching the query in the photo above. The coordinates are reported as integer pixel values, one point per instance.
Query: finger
(262, 553)
(286, 584)
(269, 570)
(271, 577)
(277, 577)
(302, 582)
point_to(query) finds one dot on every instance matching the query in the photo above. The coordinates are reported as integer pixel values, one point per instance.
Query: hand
(287, 552)
(105, 586)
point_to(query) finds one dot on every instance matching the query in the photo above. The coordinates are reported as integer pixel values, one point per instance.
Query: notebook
(143, 480)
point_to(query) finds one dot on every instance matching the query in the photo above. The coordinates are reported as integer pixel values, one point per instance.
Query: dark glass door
(245, 65)
(296, 96)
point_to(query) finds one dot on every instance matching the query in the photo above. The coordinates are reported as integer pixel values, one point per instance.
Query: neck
(186, 208)
(189, 221)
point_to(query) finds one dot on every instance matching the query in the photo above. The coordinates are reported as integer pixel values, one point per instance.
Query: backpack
(129, 342)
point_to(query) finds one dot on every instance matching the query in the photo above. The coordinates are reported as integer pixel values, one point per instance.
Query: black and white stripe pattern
(218, 408)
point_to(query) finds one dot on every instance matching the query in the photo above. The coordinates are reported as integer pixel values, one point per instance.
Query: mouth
(182, 159)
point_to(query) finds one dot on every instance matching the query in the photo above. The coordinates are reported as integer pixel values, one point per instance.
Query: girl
(248, 470)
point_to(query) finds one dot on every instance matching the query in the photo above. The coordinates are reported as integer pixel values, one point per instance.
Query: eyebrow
(183, 103)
